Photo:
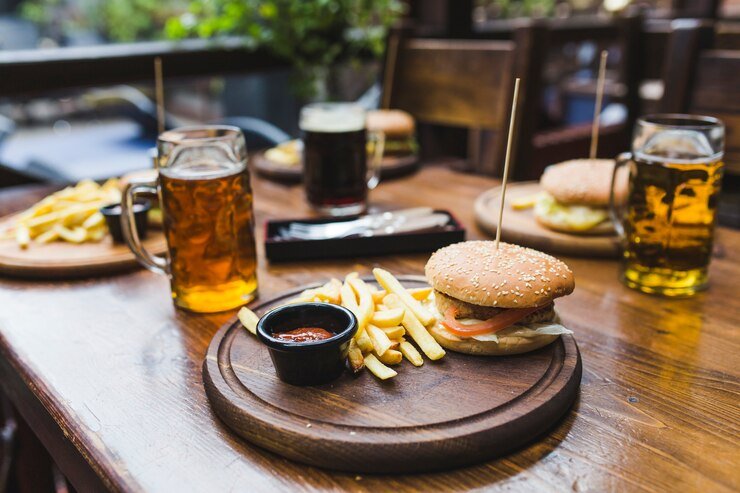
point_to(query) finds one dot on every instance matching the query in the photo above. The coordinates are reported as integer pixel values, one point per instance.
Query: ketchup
(304, 334)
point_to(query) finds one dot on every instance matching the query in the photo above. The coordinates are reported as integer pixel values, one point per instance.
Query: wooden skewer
(506, 161)
(159, 92)
(597, 109)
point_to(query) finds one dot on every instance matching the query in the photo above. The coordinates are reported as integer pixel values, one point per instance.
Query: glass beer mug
(667, 222)
(206, 200)
(337, 175)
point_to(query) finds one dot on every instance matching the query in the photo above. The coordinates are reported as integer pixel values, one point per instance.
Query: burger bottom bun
(601, 229)
(505, 346)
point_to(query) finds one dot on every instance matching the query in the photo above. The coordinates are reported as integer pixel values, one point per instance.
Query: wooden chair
(469, 84)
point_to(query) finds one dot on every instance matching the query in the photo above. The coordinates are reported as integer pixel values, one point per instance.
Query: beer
(206, 200)
(670, 213)
(208, 222)
(335, 161)
(335, 165)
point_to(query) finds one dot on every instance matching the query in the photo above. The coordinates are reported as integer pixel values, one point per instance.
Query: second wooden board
(521, 227)
(459, 410)
(68, 260)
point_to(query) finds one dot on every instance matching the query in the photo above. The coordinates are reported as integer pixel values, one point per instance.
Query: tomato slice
(500, 321)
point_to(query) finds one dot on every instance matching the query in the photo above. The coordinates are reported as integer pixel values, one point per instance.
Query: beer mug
(206, 200)
(667, 221)
(335, 157)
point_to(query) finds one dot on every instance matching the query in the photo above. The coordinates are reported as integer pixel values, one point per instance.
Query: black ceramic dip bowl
(112, 215)
(310, 362)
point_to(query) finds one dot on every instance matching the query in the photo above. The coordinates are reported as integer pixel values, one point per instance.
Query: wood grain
(409, 424)
(108, 372)
(521, 227)
(67, 260)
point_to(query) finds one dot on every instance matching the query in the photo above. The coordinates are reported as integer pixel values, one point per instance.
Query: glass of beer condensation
(206, 200)
(667, 222)
(335, 157)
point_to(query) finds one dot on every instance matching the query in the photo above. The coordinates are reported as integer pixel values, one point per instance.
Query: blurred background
(82, 68)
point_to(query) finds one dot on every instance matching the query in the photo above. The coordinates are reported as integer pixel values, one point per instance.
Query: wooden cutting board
(460, 410)
(66, 260)
(521, 227)
(390, 167)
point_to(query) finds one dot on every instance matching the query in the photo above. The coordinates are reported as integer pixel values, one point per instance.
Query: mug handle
(373, 171)
(614, 210)
(154, 263)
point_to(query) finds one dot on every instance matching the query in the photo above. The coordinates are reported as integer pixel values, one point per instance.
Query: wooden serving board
(521, 227)
(460, 410)
(390, 167)
(66, 260)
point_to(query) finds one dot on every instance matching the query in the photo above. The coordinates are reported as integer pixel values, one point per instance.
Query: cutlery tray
(281, 249)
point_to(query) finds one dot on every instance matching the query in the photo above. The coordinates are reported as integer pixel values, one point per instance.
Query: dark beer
(670, 218)
(335, 167)
(208, 222)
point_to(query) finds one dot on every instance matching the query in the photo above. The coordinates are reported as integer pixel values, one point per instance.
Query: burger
(496, 301)
(575, 197)
(399, 129)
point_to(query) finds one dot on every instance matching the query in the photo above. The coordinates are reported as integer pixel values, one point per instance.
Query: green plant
(311, 35)
(114, 20)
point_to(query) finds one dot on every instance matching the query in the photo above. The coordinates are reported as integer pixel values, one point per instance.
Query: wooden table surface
(108, 373)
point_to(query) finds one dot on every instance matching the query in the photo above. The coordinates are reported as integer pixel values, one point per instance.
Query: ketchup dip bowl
(309, 362)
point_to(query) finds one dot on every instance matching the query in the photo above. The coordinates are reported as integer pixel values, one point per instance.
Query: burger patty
(469, 310)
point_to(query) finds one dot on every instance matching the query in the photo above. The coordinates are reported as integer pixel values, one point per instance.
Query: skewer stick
(506, 161)
(597, 109)
(159, 93)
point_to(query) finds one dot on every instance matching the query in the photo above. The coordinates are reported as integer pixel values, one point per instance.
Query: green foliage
(114, 20)
(312, 35)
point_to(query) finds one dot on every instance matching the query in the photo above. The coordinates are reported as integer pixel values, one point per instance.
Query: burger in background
(496, 301)
(575, 196)
(400, 133)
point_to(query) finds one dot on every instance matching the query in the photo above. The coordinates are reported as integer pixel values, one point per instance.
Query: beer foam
(332, 118)
(202, 169)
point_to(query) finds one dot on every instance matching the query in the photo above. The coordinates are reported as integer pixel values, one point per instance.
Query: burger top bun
(508, 277)
(393, 123)
(583, 181)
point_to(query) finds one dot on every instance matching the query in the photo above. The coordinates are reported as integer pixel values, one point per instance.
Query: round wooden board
(61, 260)
(390, 167)
(521, 227)
(460, 410)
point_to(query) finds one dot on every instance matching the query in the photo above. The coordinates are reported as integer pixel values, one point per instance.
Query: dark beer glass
(667, 223)
(337, 175)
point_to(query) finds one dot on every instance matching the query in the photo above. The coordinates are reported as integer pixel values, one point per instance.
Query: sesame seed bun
(583, 181)
(505, 346)
(508, 277)
(394, 123)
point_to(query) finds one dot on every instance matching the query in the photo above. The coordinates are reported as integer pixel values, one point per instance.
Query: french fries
(392, 285)
(248, 319)
(416, 329)
(379, 369)
(385, 317)
(69, 215)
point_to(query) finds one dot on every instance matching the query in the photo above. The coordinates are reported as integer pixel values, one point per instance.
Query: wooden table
(108, 373)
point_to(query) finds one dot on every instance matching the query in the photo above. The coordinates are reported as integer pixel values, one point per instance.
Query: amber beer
(670, 213)
(206, 201)
(210, 232)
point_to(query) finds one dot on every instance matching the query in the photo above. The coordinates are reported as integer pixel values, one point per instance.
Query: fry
(354, 357)
(248, 319)
(379, 369)
(364, 342)
(411, 354)
(391, 357)
(417, 293)
(381, 342)
(23, 236)
(392, 285)
(349, 301)
(388, 318)
(416, 329)
(366, 306)
(394, 332)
